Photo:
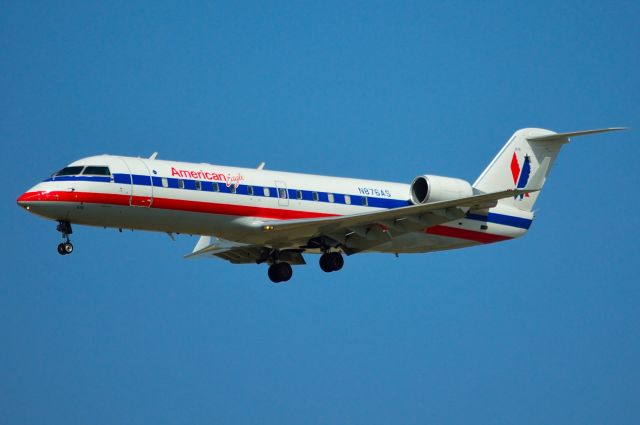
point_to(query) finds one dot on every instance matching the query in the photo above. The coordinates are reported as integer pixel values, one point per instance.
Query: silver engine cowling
(427, 189)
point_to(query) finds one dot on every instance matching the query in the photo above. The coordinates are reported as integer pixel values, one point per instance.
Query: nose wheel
(65, 247)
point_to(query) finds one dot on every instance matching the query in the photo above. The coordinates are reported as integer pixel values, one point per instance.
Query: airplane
(269, 217)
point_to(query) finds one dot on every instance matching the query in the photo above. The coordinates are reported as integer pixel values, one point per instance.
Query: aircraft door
(283, 193)
(141, 186)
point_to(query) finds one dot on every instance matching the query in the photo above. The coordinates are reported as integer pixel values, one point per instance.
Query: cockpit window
(70, 171)
(96, 171)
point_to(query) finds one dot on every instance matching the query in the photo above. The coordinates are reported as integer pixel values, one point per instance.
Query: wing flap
(248, 255)
(238, 253)
(210, 246)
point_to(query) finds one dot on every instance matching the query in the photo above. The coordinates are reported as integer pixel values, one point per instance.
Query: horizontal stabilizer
(565, 136)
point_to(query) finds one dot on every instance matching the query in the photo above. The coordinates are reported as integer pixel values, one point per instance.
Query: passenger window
(266, 192)
(165, 182)
(198, 185)
(298, 194)
(282, 193)
(180, 184)
(250, 190)
(216, 187)
(70, 171)
(315, 196)
(330, 196)
(347, 199)
(97, 171)
(364, 201)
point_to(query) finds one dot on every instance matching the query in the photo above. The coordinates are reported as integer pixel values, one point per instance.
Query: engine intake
(427, 189)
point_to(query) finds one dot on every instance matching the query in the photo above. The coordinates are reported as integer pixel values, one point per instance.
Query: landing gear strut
(65, 247)
(280, 272)
(331, 262)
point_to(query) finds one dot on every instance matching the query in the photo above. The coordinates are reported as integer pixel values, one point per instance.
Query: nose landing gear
(65, 247)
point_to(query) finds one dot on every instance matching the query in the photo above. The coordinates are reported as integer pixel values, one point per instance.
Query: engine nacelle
(427, 189)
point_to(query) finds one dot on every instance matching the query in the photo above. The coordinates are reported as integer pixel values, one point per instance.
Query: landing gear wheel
(338, 261)
(273, 273)
(331, 262)
(325, 263)
(68, 247)
(61, 249)
(280, 272)
(285, 271)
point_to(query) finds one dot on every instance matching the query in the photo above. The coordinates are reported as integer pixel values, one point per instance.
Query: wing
(390, 222)
(289, 239)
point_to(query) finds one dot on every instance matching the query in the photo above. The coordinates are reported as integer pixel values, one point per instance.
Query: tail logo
(520, 173)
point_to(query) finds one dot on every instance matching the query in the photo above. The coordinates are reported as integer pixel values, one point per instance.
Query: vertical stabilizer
(519, 160)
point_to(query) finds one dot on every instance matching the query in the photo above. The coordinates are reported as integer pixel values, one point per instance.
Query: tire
(68, 248)
(337, 261)
(273, 273)
(280, 272)
(285, 271)
(325, 263)
(61, 249)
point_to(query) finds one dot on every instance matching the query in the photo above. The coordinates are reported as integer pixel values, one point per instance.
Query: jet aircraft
(270, 217)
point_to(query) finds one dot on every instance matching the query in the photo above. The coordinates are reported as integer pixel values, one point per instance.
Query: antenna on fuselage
(261, 166)
(153, 155)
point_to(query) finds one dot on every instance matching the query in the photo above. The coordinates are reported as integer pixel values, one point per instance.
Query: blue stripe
(141, 180)
(382, 202)
(122, 178)
(507, 220)
(208, 186)
(307, 195)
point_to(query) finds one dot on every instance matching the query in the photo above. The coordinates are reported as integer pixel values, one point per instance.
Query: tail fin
(520, 159)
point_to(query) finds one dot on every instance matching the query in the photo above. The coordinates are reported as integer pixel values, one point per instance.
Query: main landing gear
(65, 247)
(281, 261)
(282, 272)
(331, 262)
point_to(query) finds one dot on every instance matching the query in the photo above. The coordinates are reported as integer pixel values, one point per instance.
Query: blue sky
(539, 330)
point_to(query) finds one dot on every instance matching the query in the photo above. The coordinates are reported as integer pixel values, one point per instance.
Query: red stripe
(85, 197)
(227, 209)
(471, 235)
(230, 209)
(170, 204)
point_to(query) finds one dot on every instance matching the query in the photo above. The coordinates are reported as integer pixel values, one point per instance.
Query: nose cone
(27, 199)
(45, 202)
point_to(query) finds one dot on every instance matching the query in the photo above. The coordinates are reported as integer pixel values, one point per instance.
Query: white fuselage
(231, 203)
